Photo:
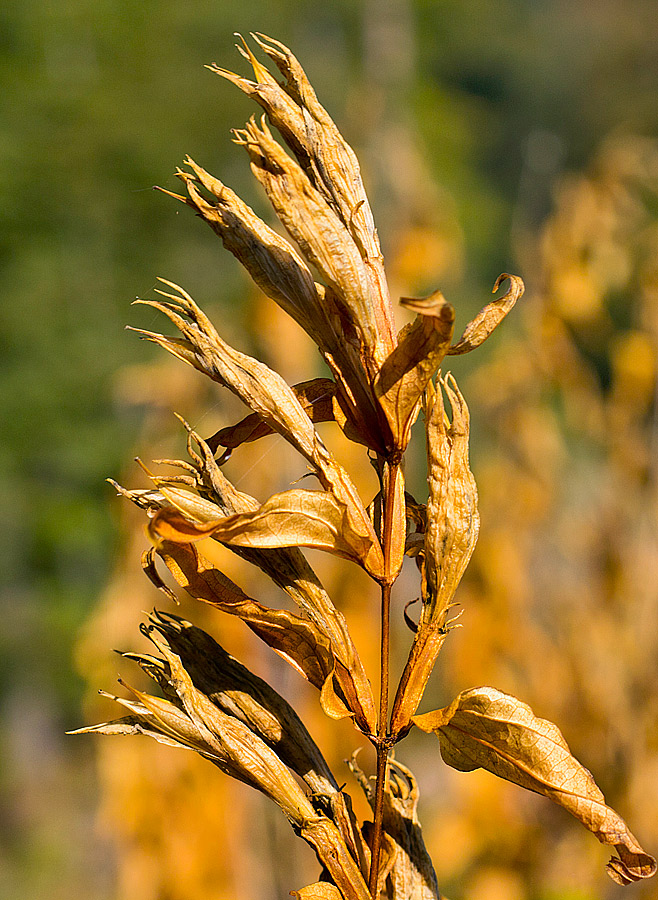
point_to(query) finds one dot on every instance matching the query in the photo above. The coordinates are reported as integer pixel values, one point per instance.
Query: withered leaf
(451, 529)
(315, 396)
(324, 156)
(286, 566)
(317, 229)
(275, 266)
(479, 329)
(412, 873)
(315, 653)
(484, 728)
(238, 692)
(321, 890)
(267, 394)
(193, 720)
(296, 518)
(453, 520)
(295, 639)
(406, 372)
(284, 276)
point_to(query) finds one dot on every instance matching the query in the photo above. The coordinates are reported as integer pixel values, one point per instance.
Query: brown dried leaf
(412, 873)
(195, 721)
(238, 692)
(407, 371)
(273, 263)
(484, 728)
(295, 639)
(452, 524)
(479, 329)
(323, 836)
(326, 158)
(305, 645)
(265, 392)
(316, 397)
(282, 274)
(296, 518)
(286, 566)
(321, 890)
(321, 235)
(453, 520)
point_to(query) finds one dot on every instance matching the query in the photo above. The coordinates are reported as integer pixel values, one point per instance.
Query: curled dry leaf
(240, 693)
(321, 235)
(296, 518)
(195, 722)
(286, 566)
(452, 518)
(273, 263)
(412, 873)
(321, 890)
(484, 728)
(407, 371)
(451, 526)
(313, 649)
(316, 397)
(325, 157)
(407, 864)
(489, 318)
(267, 394)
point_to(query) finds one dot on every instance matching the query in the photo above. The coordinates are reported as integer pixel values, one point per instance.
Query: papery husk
(298, 641)
(328, 161)
(197, 723)
(406, 872)
(451, 525)
(266, 393)
(321, 235)
(422, 346)
(287, 567)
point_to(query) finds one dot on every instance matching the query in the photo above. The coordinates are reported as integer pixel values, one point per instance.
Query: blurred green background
(102, 99)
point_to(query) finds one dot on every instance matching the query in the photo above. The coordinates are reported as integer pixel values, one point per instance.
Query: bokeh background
(499, 135)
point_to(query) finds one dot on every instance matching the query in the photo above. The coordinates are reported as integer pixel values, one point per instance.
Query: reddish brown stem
(382, 742)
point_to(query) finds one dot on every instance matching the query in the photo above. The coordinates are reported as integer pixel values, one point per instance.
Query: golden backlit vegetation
(544, 618)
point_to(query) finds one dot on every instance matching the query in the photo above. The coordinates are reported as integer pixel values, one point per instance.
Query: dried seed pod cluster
(213, 704)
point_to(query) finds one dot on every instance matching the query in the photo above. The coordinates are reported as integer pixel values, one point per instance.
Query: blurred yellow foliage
(560, 601)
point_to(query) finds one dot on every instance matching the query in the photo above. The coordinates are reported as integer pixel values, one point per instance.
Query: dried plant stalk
(213, 704)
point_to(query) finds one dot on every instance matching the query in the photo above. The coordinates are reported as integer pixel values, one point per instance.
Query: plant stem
(383, 742)
(382, 759)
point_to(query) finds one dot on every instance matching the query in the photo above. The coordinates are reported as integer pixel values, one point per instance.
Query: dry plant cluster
(381, 382)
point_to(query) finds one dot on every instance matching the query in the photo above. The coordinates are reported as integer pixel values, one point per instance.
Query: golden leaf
(412, 873)
(406, 372)
(316, 397)
(321, 235)
(318, 651)
(484, 728)
(238, 692)
(296, 518)
(479, 329)
(273, 263)
(321, 890)
(452, 518)
(286, 566)
(267, 394)
(282, 274)
(325, 157)
(451, 527)
(194, 721)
